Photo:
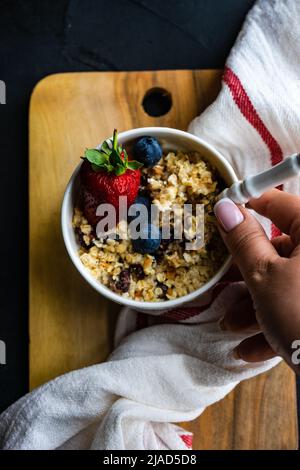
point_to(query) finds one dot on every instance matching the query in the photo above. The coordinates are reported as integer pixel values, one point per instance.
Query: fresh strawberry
(107, 174)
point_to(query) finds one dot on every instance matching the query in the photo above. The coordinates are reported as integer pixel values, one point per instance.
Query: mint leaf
(134, 165)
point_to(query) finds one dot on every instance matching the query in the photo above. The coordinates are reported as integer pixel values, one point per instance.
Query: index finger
(283, 209)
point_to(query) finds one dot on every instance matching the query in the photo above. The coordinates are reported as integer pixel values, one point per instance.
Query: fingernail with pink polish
(228, 214)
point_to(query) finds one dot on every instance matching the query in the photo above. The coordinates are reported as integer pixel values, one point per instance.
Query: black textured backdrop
(38, 38)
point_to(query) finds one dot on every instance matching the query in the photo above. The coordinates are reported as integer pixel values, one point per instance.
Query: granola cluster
(178, 178)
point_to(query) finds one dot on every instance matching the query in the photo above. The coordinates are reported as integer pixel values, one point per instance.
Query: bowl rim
(101, 288)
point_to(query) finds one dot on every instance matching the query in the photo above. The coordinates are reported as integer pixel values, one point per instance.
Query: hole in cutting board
(157, 102)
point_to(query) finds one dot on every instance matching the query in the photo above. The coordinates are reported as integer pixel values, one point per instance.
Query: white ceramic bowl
(170, 139)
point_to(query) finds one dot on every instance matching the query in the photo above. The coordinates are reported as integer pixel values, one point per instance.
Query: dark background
(38, 38)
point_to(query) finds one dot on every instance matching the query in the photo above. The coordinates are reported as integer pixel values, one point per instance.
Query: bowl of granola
(137, 217)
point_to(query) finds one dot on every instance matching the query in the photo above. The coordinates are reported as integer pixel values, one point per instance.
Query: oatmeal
(172, 271)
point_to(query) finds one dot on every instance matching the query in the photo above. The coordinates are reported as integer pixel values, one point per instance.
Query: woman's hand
(271, 270)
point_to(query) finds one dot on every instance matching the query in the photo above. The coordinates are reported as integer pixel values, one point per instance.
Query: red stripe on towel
(180, 314)
(247, 109)
(187, 439)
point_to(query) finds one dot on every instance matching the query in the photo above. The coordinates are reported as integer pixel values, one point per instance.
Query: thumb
(245, 238)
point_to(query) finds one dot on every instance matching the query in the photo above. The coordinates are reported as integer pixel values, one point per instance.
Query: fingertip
(244, 237)
(264, 199)
(282, 208)
(228, 214)
(254, 349)
(240, 317)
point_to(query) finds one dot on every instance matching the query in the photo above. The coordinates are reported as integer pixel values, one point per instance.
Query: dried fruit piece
(82, 238)
(123, 283)
(164, 289)
(159, 256)
(137, 271)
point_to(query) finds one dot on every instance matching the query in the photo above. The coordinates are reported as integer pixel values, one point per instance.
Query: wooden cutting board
(71, 325)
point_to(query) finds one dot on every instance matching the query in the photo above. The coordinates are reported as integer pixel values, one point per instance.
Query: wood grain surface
(71, 325)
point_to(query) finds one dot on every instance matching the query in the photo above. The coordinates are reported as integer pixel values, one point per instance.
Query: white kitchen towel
(165, 372)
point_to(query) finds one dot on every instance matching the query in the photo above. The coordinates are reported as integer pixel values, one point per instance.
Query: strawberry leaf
(115, 159)
(134, 165)
(125, 157)
(120, 169)
(106, 148)
(111, 157)
(115, 140)
(95, 157)
(97, 167)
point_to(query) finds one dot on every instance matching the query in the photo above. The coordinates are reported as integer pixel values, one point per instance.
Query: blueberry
(148, 241)
(148, 151)
(145, 201)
